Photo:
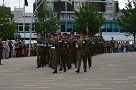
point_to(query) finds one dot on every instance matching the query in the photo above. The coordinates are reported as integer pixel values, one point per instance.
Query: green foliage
(88, 14)
(7, 26)
(128, 19)
(46, 21)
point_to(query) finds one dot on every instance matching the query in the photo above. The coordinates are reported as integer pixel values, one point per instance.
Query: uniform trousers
(59, 58)
(81, 55)
(89, 59)
(73, 56)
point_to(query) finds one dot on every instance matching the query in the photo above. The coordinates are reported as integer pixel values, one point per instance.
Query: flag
(25, 3)
(87, 30)
(70, 1)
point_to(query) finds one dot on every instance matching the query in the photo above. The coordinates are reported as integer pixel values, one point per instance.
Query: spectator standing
(1, 49)
(13, 51)
(17, 50)
(119, 47)
(116, 47)
(20, 50)
(10, 47)
(4, 49)
(7, 50)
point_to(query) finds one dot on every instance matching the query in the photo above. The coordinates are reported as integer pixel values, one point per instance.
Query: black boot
(42, 66)
(85, 70)
(53, 67)
(64, 69)
(55, 71)
(37, 67)
(68, 68)
(89, 67)
(50, 66)
(78, 71)
(60, 69)
(0, 62)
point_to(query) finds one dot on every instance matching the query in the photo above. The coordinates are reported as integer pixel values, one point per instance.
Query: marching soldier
(59, 53)
(88, 50)
(51, 51)
(40, 50)
(66, 52)
(1, 49)
(72, 50)
(45, 51)
(81, 53)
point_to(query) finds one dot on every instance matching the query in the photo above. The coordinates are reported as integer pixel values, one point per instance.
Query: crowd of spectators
(120, 46)
(19, 49)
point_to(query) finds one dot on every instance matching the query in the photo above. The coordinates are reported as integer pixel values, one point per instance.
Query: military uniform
(47, 50)
(66, 52)
(81, 53)
(72, 50)
(59, 54)
(112, 43)
(40, 52)
(88, 50)
(51, 51)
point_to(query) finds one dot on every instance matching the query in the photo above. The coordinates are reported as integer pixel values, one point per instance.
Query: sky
(29, 8)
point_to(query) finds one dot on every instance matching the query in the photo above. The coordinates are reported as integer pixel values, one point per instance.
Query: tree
(88, 15)
(128, 19)
(7, 26)
(46, 21)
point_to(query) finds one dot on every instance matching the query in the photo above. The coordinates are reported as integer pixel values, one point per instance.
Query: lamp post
(3, 2)
(66, 16)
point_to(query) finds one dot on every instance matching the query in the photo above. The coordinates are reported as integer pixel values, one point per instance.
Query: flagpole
(66, 16)
(3, 2)
(19, 3)
(24, 21)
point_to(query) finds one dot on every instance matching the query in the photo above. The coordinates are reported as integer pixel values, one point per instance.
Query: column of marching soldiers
(65, 51)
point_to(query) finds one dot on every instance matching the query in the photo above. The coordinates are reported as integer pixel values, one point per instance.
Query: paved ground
(109, 72)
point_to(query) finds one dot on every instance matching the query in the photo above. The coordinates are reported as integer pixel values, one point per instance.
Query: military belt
(40, 44)
(52, 47)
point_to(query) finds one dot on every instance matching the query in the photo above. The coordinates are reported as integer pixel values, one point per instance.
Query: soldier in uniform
(1, 49)
(112, 43)
(51, 50)
(72, 50)
(40, 50)
(59, 53)
(47, 45)
(66, 52)
(81, 53)
(88, 50)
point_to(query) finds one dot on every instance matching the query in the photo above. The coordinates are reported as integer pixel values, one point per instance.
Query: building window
(109, 5)
(76, 4)
(62, 17)
(50, 5)
(20, 28)
(108, 16)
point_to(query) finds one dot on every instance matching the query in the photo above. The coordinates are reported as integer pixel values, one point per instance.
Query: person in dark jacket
(1, 49)
(10, 47)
